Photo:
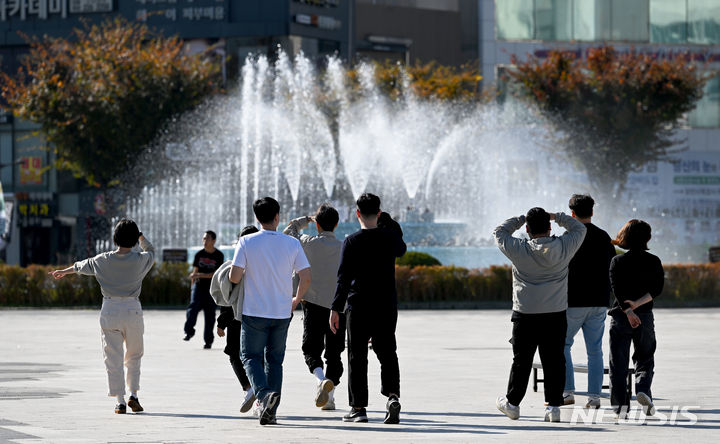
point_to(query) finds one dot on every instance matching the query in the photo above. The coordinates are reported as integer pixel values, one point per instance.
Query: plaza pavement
(453, 366)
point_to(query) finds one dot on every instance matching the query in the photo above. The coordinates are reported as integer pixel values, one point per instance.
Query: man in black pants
(366, 283)
(323, 253)
(206, 262)
(540, 270)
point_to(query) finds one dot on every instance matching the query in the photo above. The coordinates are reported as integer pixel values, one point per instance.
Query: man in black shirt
(588, 299)
(366, 293)
(206, 262)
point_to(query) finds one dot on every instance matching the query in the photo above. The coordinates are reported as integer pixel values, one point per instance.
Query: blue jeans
(263, 338)
(592, 322)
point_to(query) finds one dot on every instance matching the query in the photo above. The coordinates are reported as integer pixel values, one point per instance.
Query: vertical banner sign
(31, 170)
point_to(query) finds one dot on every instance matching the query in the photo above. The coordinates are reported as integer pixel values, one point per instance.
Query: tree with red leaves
(102, 95)
(612, 112)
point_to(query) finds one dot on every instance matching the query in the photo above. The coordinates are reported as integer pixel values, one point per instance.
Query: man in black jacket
(366, 293)
(588, 299)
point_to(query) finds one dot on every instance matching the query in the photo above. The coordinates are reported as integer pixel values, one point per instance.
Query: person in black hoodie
(227, 320)
(366, 293)
(588, 300)
(637, 278)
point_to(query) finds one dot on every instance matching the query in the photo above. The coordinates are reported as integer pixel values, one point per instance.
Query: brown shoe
(120, 409)
(134, 404)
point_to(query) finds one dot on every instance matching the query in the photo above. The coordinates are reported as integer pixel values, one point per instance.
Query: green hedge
(416, 258)
(421, 286)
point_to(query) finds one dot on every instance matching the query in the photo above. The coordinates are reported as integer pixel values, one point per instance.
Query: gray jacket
(540, 266)
(323, 253)
(224, 293)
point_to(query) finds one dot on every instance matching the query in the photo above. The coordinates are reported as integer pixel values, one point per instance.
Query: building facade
(685, 193)
(53, 216)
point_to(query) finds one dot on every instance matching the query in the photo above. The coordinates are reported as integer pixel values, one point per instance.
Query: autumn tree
(427, 80)
(612, 112)
(101, 95)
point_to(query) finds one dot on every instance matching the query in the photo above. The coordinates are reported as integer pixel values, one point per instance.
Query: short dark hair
(538, 220)
(368, 204)
(250, 229)
(582, 205)
(212, 234)
(327, 217)
(126, 233)
(634, 235)
(266, 209)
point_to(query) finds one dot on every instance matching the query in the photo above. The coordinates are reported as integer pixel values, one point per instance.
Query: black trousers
(544, 332)
(380, 327)
(317, 337)
(644, 344)
(232, 349)
(200, 300)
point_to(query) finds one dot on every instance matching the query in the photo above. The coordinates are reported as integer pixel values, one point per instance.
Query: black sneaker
(268, 408)
(207, 346)
(134, 404)
(356, 415)
(120, 409)
(187, 337)
(392, 416)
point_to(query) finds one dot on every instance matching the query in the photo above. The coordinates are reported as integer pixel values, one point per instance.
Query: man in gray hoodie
(540, 272)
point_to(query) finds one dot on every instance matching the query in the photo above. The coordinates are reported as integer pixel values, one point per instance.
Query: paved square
(453, 365)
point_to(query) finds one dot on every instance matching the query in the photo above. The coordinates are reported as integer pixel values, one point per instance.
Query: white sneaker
(552, 414)
(511, 411)
(257, 409)
(324, 387)
(248, 401)
(330, 404)
(593, 402)
(645, 401)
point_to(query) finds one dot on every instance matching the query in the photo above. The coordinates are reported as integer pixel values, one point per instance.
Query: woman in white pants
(120, 274)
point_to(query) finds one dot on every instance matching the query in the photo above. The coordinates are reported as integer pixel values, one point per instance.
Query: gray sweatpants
(121, 321)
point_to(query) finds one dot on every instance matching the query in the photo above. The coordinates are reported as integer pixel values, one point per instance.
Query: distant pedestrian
(637, 278)
(120, 274)
(265, 262)
(588, 300)
(231, 321)
(367, 295)
(323, 253)
(540, 270)
(206, 262)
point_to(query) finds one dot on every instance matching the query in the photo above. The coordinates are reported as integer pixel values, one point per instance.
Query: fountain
(306, 137)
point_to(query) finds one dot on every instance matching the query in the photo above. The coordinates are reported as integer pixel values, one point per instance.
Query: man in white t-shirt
(267, 259)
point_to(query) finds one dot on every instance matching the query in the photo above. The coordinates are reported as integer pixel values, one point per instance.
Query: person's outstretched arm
(59, 274)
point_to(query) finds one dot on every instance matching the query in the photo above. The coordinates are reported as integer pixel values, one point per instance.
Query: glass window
(668, 21)
(630, 21)
(591, 20)
(704, 21)
(514, 19)
(707, 112)
(553, 19)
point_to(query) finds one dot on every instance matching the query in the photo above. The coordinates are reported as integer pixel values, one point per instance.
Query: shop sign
(31, 170)
(44, 9)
